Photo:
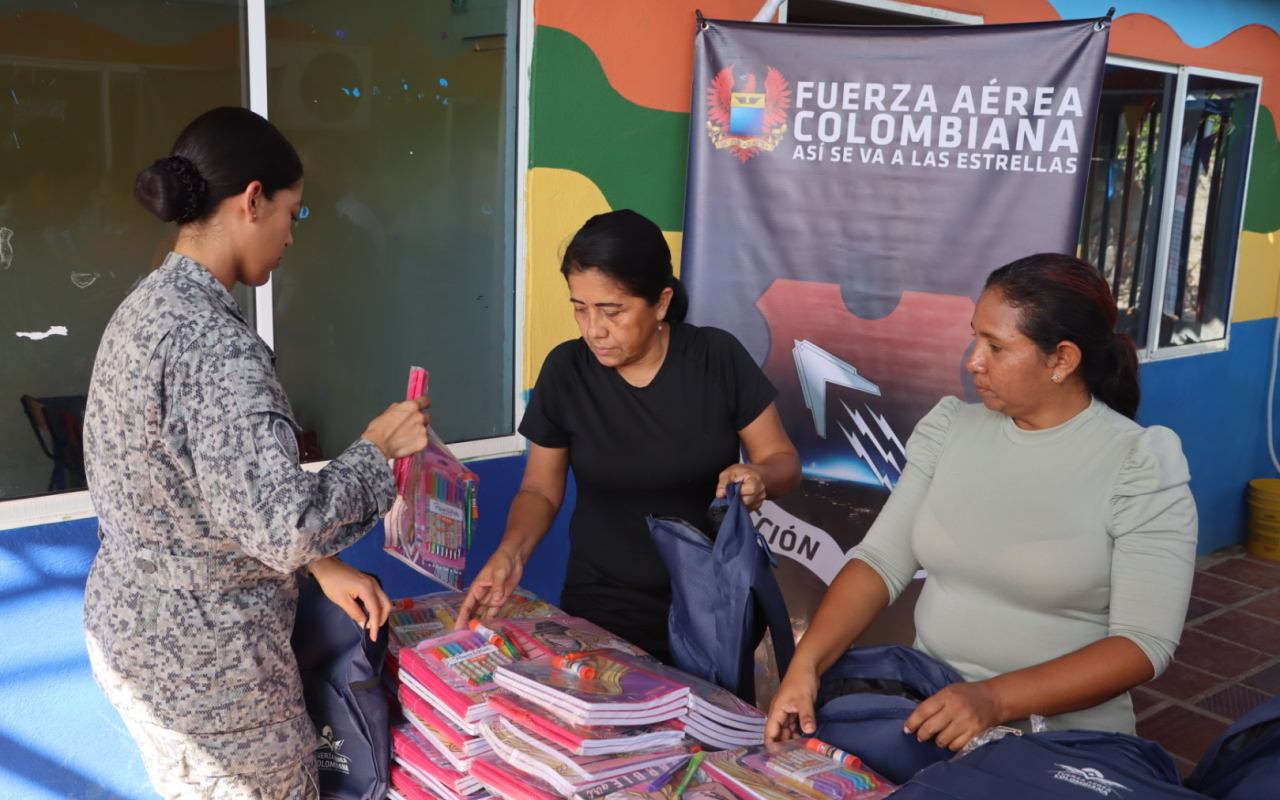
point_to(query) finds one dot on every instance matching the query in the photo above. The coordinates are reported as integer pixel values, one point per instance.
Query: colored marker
(689, 772)
(834, 753)
(574, 667)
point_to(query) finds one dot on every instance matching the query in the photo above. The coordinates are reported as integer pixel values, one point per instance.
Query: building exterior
(451, 149)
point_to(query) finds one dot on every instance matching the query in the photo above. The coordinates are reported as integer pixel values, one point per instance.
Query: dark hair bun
(678, 308)
(172, 189)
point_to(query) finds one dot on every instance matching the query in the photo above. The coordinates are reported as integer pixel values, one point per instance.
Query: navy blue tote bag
(723, 595)
(1055, 765)
(342, 685)
(1243, 763)
(867, 695)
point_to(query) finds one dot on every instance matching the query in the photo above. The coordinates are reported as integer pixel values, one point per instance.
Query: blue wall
(1217, 403)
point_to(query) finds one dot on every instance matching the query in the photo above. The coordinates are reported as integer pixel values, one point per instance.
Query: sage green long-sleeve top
(1039, 543)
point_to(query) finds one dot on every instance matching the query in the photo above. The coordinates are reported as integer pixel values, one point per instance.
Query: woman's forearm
(1078, 680)
(528, 521)
(854, 599)
(780, 473)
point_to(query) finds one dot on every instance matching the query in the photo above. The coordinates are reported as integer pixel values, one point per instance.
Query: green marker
(689, 772)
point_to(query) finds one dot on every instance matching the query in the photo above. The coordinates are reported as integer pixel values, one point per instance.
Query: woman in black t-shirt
(652, 414)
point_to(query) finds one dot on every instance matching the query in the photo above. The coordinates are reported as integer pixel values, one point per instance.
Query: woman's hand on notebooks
(401, 430)
(348, 588)
(492, 587)
(791, 712)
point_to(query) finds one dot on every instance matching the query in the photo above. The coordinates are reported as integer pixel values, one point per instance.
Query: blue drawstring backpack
(1243, 763)
(867, 695)
(1054, 765)
(342, 685)
(723, 595)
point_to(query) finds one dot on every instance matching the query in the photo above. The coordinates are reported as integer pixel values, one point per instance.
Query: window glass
(1121, 218)
(1209, 201)
(90, 93)
(403, 113)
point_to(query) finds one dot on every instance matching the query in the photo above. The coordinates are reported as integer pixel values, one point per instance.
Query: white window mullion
(256, 36)
(1164, 247)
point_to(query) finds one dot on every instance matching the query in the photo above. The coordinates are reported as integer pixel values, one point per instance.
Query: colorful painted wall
(610, 117)
(611, 103)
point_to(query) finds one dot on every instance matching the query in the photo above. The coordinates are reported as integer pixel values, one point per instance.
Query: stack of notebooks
(503, 780)
(563, 771)
(799, 769)
(421, 760)
(583, 740)
(454, 673)
(452, 742)
(597, 689)
(715, 716)
(441, 693)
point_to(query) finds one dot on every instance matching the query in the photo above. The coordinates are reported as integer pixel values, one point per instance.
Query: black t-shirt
(657, 449)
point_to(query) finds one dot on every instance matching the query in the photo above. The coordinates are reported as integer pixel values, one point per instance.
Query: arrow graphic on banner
(816, 368)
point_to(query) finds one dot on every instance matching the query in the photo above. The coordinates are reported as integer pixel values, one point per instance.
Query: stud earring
(255, 216)
(1056, 377)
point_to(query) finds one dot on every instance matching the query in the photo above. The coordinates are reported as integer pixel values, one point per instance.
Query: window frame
(1153, 351)
(47, 509)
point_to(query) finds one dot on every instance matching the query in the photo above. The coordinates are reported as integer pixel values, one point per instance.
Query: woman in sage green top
(1059, 535)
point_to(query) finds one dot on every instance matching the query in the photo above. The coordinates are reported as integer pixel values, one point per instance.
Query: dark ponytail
(220, 153)
(630, 249)
(1063, 299)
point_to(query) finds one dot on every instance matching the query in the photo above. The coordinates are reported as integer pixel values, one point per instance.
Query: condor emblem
(747, 122)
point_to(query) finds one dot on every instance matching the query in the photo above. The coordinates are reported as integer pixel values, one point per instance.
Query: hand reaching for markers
(491, 588)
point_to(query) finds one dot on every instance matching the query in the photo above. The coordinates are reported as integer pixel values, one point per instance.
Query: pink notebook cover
(501, 778)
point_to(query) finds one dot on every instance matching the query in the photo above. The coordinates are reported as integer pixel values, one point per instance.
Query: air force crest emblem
(747, 122)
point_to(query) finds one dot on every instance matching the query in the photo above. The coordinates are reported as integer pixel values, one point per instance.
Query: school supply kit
(432, 521)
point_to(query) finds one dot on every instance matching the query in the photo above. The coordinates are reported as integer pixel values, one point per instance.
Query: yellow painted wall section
(1258, 277)
(559, 202)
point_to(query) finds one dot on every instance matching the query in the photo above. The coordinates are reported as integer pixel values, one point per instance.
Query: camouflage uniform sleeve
(240, 438)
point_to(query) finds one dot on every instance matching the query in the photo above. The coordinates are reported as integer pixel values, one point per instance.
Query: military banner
(849, 190)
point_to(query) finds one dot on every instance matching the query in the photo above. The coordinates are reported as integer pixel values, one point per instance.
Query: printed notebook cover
(458, 758)
(584, 767)
(614, 685)
(405, 784)
(582, 739)
(701, 787)
(417, 751)
(565, 773)
(791, 771)
(563, 635)
(706, 698)
(718, 736)
(504, 780)
(442, 728)
(447, 703)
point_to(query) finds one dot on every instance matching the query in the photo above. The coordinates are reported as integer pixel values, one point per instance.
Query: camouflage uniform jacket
(204, 515)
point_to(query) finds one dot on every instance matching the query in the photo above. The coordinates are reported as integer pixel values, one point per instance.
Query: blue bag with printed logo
(341, 682)
(1054, 765)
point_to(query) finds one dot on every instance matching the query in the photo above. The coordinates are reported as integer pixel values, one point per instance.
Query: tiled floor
(1229, 659)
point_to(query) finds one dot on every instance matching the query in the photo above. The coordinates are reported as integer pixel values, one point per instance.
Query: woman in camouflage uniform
(205, 513)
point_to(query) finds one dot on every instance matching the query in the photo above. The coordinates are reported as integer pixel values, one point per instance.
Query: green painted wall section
(635, 155)
(1262, 204)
